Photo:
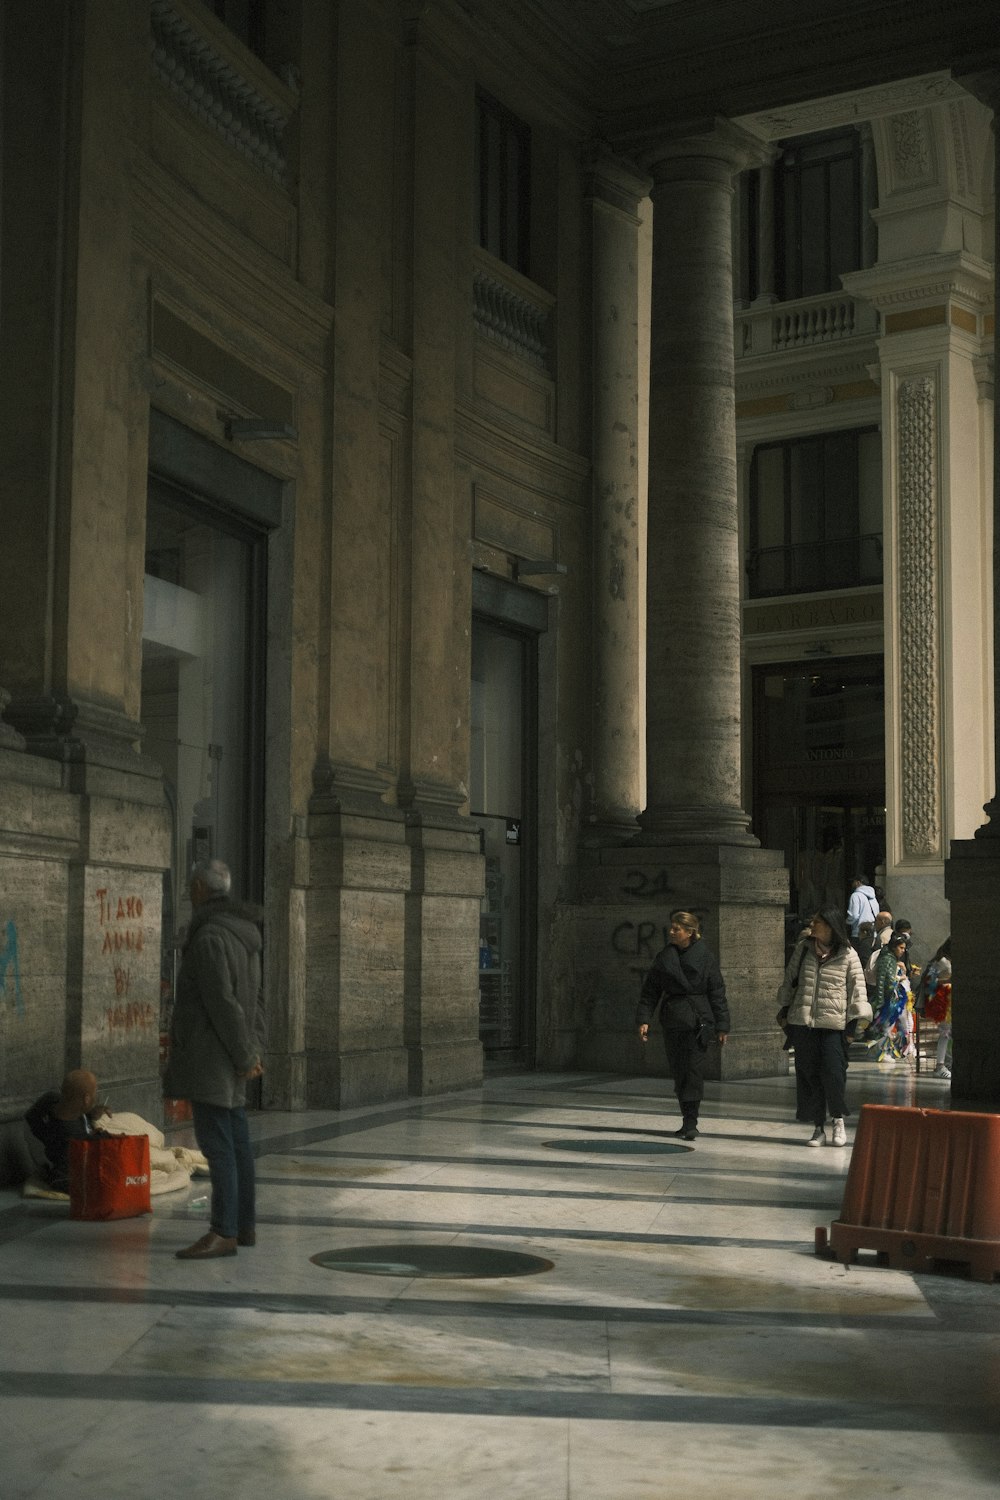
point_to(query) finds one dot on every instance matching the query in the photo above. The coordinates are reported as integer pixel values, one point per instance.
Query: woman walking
(891, 1030)
(685, 982)
(822, 999)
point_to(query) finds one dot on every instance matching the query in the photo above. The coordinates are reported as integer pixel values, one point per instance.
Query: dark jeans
(820, 1073)
(223, 1136)
(687, 1067)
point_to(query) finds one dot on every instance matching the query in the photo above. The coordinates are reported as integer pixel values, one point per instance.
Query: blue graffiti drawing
(9, 960)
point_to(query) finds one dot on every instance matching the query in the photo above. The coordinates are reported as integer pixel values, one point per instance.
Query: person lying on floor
(58, 1118)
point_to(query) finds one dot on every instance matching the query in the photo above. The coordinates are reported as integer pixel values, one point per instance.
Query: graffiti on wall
(123, 939)
(10, 961)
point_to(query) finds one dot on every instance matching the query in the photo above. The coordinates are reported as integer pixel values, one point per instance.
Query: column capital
(613, 179)
(710, 149)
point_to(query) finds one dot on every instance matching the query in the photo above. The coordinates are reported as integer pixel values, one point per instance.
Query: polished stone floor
(686, 1340)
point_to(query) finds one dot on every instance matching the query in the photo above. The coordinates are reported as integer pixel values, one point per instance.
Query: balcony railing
(815, 567)
(511, 311)
(211, 74)
(783, 326)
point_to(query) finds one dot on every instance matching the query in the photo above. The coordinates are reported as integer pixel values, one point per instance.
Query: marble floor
(686, 1340)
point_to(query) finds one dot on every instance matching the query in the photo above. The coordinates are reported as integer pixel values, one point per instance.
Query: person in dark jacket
(58, 1118)
(686, 983)
(216, 1044)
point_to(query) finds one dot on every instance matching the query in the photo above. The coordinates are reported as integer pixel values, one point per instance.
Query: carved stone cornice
(908, 95)
(805, 369)
(924, 281)
(77, 732)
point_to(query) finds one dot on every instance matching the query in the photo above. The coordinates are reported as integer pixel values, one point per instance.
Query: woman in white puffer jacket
(823, 997)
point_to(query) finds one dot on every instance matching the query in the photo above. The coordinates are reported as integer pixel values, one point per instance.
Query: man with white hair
(216, 1043)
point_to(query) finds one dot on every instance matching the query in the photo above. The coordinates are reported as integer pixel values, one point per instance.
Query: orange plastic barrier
(923, 1185)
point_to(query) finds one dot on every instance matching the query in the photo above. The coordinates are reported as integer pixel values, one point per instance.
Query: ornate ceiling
(641, 66)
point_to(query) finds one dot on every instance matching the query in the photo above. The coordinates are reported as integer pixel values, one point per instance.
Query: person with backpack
(862, 906)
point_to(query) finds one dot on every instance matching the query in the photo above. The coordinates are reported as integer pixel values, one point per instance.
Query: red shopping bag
(109, 1177)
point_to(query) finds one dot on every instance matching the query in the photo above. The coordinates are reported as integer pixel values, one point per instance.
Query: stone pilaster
(937, 578)
(354, 913)
(614, 191)
(442, 905)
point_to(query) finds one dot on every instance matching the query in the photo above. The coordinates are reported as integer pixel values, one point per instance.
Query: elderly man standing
(216, 1042)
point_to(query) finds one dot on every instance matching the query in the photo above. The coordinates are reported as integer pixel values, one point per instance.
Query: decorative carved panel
(917, 602)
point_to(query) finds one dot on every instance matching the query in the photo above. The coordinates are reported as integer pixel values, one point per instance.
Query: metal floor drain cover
(620, 1148)
(463, 1261)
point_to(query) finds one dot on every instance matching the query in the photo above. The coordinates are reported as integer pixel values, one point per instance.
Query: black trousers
(820, 1072)
(687, 1066)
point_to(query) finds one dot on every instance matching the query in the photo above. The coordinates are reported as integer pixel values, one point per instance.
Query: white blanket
(170, 1167)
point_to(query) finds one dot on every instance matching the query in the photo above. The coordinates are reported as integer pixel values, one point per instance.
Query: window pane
(195, 683)
(504, 183)
(813, 232)
(844, 208)
(841, 486)
(770, 528)
(830, 534)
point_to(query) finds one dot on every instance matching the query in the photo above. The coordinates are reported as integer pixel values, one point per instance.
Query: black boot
(689, 1129)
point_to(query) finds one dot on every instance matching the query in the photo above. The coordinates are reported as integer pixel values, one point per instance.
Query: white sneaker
(818, 1137)
(839, 1134)
(941, 1071)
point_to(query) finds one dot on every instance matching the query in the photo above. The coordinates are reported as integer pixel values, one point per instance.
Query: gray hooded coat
(218, 1028)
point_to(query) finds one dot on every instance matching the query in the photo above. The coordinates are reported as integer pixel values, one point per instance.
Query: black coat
(692, 989)
(218, 1028)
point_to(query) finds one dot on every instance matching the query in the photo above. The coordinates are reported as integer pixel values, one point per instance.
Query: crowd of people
(849, 979)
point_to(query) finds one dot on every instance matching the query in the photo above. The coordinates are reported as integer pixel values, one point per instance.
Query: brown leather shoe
(246, 1237)
(209, 1247)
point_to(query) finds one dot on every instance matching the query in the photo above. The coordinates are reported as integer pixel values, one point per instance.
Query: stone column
(695, 849)
(972, 874)
(613, 192)
(693, 608)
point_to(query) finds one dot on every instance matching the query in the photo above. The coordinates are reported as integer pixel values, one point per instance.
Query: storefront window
(498, 802)
(201, 684)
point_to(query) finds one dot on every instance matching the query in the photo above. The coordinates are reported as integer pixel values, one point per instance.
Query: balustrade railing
(782, 326)
(511, 311)
(232, 94)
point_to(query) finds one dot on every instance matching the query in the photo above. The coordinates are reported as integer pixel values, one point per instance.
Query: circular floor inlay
(619, 1148)
(467, 1261)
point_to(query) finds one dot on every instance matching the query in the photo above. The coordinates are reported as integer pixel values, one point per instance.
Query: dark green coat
(218, 1027)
